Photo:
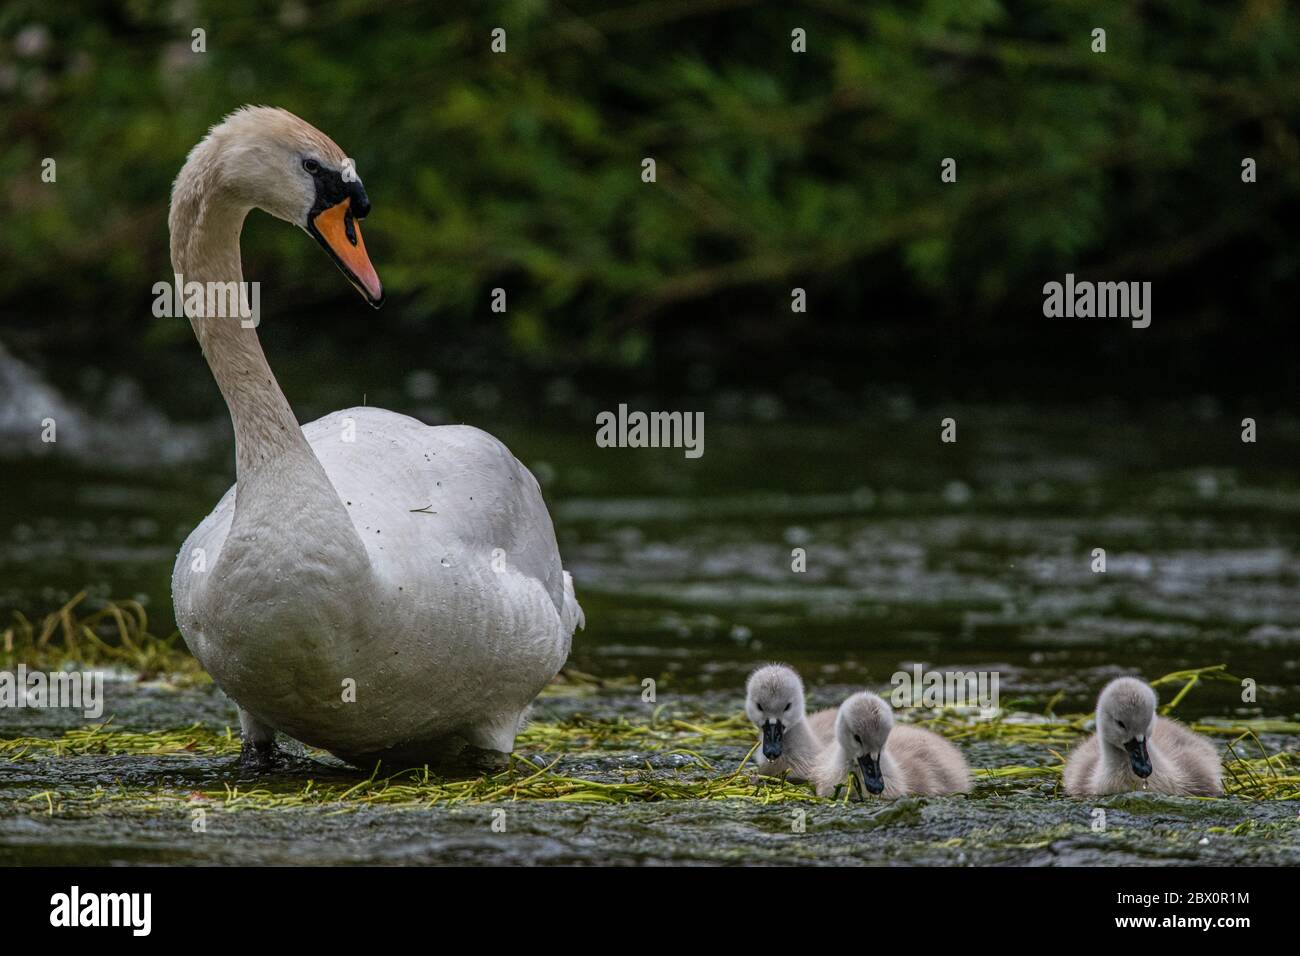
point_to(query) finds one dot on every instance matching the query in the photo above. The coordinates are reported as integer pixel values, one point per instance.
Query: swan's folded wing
(415, 490)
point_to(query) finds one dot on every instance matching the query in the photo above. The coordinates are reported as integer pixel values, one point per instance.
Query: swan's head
(774, 704)
(270, 159)
(861, 727)
(1126, 717)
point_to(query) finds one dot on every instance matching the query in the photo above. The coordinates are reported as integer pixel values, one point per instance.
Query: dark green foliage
(775, 169)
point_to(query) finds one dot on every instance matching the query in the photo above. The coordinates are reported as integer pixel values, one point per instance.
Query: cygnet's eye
(787, 707)
(311, 166)
(857, 738)
(1121, 725)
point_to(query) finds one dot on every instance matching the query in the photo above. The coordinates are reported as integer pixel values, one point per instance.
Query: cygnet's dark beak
(772, 731)
(1139, 757)
(872, 778)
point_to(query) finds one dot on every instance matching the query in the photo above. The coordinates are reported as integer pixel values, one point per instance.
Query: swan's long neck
(205, 248)
(284, 502)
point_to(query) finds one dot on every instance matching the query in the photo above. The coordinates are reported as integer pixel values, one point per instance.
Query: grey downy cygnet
(888, 761)
(1133, 749)
(791, 740)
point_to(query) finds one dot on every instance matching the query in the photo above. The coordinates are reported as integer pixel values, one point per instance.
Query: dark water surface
(974, 555)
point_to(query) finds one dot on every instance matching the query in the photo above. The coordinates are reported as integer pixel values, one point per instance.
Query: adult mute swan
(371, 585)
(1134, 749)
(791, 737)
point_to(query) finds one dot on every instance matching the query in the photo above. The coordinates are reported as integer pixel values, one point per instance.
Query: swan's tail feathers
(573, 616)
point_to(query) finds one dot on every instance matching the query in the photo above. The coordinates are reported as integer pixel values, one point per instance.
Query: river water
(973, 555)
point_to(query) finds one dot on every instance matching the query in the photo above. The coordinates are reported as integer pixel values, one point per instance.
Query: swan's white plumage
(452, 644)
(449, 645)
(413, 565)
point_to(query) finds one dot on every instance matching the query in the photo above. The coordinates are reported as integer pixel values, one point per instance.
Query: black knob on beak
(360, 201)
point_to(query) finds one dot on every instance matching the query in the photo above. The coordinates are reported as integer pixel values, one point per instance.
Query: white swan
(1133, 749)
(889, 761)
(371, 585)
(791, 739)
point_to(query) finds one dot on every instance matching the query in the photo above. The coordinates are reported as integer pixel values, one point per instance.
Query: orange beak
(339, 232)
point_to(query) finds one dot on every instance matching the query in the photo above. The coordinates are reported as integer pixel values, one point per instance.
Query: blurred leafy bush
(775, 169)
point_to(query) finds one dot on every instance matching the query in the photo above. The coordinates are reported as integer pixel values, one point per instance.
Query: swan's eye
(857, 738)
(787, 707)
(311, 166)
(1121, 725)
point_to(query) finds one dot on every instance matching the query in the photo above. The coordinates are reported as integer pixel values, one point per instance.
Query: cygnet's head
(1126, 717)
(774, 704)
(861, 727)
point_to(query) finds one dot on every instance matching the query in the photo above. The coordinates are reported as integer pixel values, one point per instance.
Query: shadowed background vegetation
(775, 170)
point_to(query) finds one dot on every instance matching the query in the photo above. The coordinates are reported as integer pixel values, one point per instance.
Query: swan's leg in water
(258, 751)
(496, 739)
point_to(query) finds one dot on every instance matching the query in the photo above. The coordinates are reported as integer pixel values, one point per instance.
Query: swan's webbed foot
(258, 752)
(258, 755)
(483, 759)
